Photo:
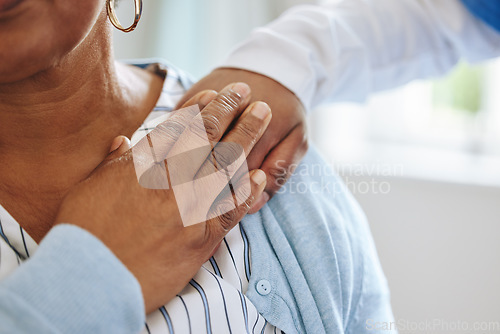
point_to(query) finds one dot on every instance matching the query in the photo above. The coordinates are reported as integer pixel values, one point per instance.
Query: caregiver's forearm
(73, 284)
(343, 51)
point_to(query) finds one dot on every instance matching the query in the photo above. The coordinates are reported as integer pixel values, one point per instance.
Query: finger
(230, 153)
(118, 147)
(202, 99)
(161, 140)
(151, 150)
(226, 216)
(259, 203)
(276, 132)
(204, 130)
(280, 164)
(250, 126)
(221, 112)
(167, 133)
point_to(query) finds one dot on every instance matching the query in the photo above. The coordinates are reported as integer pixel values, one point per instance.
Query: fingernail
(241, 88)
(208, 97)
(261, 110)
(259, 177)
(117, 142)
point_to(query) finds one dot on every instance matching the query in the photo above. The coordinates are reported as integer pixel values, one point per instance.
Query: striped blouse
(214, 301)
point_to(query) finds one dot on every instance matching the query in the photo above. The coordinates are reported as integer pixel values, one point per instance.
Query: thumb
(119, 146)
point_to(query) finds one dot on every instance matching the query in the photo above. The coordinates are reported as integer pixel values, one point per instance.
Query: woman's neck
(57, 126)
(49, 111)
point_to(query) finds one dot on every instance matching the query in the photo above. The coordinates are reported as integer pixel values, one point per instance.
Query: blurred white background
(195, 35)
(424, 160)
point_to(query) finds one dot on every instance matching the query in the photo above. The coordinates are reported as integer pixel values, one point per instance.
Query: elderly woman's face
(37, 34)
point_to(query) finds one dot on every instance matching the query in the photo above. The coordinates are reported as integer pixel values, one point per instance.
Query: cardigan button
(263, 287)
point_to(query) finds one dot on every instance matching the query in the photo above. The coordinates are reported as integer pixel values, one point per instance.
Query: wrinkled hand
(144, 227)
(285, 142)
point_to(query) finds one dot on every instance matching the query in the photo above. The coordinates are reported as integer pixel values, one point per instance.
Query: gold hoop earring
(114, 20)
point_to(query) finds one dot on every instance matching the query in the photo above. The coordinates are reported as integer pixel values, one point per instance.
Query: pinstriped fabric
(214, 301)
(15, 244)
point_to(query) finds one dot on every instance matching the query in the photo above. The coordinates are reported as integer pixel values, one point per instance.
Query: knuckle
(226, 216)
(249, 130)
(226, 154)
(226, 220)
(230, 99)
(170, 129)
(278, 172)
(278, 176)
(225, 103)
(212, 127)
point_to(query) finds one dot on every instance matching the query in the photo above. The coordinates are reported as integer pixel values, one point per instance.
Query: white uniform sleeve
(345, 50)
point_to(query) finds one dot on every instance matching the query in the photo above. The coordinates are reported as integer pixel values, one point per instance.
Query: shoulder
(315, 242)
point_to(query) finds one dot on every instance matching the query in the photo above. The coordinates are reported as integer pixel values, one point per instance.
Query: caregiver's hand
(285, 142)
(143, 226)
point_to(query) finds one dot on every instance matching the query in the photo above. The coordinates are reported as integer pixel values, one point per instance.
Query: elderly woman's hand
(146, 228)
